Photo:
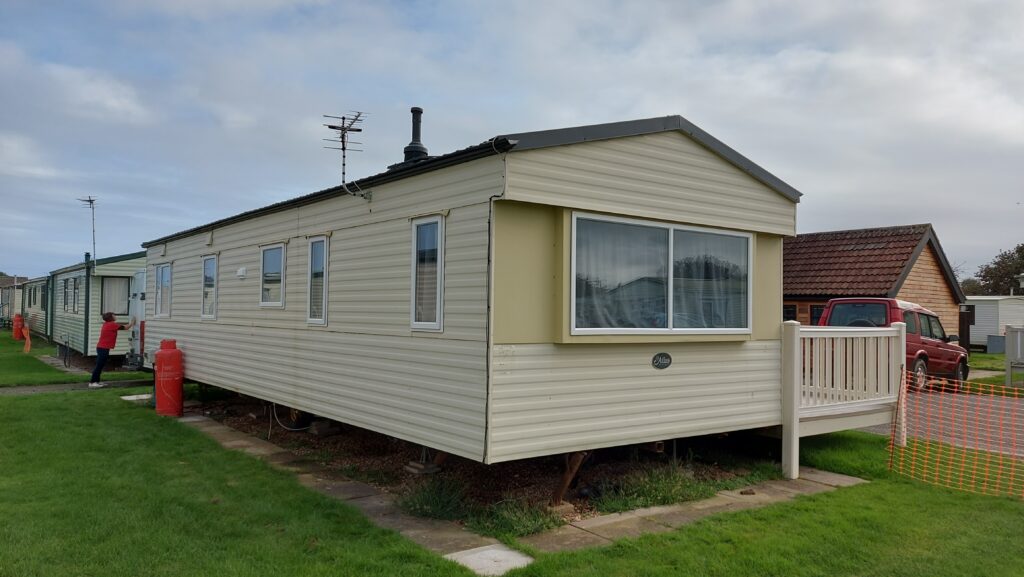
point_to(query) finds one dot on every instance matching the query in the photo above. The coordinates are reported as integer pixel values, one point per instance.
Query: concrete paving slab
(376, 506)
(344, 490)
(444, 537)
(762, 494)
(564, 538)
(601, 520)
(828, 478)
(196, 419)
(629, 526)
(491, 559)
(800, 486)
(143, 399)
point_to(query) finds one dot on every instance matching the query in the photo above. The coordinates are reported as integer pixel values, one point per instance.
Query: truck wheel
(961, 374)
(919, 378)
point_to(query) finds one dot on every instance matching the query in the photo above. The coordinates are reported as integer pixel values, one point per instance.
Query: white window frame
(158, 290)
(438, 324)
(671, 300)
(309, 277)
(284, 261)
(66, 300)
(75, 292)
(202, 286)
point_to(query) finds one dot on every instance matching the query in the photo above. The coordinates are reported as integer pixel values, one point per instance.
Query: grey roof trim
(101, 261)
(578, 134)
(947, 271)
(515, 143)
(129, 256)
(488, 148)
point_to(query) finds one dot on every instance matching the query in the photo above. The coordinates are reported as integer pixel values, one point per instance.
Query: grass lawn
(890, 527)
(93, 486)
(987, 361)
(17, 368)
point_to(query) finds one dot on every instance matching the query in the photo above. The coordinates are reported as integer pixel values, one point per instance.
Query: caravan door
(137, 309)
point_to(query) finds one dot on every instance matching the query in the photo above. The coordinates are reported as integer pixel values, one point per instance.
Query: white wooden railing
(1014, 351)
(835, 372)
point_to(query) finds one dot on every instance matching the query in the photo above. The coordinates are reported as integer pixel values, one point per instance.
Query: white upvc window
(209, 304)
(74, 294)
(634, 276)
(316, 282)
(427, 303)
(163, 290)
(272, 263)
(66, 298)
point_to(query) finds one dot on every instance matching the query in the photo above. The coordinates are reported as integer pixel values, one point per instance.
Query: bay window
(637, 277)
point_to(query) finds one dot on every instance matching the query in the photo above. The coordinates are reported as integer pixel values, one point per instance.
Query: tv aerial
(351, 123)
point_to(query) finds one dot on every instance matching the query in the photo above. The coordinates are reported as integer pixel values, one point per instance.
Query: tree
(1000, 275)
(972, 287)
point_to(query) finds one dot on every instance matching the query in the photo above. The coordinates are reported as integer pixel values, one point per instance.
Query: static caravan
(10, 297)
(35, 305)
(992, 314)
(83, 292)
(535, 294)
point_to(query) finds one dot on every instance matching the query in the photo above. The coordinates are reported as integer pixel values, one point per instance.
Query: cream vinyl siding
(549, 398)
(69, 326)
(35, 316)
(366, 367)
(665, 176)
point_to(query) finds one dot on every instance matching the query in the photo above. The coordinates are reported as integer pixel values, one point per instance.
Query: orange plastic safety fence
(962, 435)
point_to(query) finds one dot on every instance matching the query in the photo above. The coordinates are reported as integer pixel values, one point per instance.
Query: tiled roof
(863, 262)
(12, 280)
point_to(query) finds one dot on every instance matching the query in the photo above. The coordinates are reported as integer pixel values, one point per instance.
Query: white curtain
(709, 280)
(620, 275)
(115, 296)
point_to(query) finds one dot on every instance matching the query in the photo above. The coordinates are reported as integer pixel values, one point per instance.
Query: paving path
(61, 388)
(486, 556)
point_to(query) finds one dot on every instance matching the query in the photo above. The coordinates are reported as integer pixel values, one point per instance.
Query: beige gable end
(665, 176)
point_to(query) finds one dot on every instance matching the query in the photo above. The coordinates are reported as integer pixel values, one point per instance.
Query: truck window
(911, 320)
(858, 315)
(937, 332)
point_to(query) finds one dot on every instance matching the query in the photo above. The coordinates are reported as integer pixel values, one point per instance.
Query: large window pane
(426, 272)
(272, 267)
(709, 278)
(620, 275)
(115, 296)
(209, 286)
(316, 279)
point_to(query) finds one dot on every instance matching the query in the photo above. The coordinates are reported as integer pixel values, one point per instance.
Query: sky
(175, 113)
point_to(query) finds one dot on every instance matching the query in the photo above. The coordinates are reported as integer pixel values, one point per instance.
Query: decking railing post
(791, 365)
(897, 368)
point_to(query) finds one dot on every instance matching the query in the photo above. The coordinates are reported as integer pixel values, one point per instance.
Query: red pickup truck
(929, 350)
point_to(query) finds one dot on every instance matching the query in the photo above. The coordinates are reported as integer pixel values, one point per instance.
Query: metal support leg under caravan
(572, 466)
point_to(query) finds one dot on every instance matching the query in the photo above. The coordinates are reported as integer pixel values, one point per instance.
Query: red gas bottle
(18, 324)
(170, 374)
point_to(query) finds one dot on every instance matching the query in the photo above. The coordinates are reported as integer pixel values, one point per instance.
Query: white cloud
(97, 95)
(21, 157)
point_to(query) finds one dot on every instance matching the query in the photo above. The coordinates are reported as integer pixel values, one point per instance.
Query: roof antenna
(351, 123)
(90, 203)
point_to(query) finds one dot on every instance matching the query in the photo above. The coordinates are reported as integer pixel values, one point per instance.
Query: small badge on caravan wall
(661, 361)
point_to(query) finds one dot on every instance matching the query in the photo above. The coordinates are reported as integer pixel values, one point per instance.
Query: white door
(137, 309)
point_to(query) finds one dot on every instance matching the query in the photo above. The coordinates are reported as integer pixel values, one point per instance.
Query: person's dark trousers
(101, 359)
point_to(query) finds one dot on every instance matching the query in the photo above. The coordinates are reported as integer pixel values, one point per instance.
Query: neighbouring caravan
(10, 297)
(34, 305)
(992, 314)
(537, 293)
(84, 291)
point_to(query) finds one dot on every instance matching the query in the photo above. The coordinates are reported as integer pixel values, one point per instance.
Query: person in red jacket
(108, 340)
